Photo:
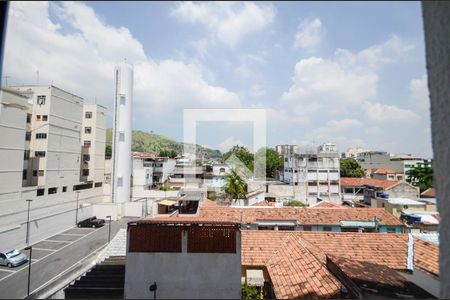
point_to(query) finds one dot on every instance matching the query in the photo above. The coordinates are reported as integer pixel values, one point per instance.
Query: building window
(327, 228)
(39, 153)
(88, 115)
(28, 118)
(98, 184)
(26, 154)
(64, 189)
(266, 227)
(87, 130)
(286, 228)
(41, 173)
(307, 228)
(40, 136)
(41, 100)
(44, 117)
(85, 172)
(87, 144)
(40, 192)
(52, 190)
(86, 157)
(38, 117)
(28, 136)
(24, 175)
(34, 172)
(391, 230)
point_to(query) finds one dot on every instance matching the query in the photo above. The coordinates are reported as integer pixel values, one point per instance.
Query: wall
(184, 275)
(403, 190)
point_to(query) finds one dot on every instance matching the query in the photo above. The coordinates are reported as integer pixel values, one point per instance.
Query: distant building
(285, 150)
(387, 174)
(353, 152)
(314, 177)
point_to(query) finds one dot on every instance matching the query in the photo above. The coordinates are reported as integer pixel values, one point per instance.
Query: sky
(350, 73)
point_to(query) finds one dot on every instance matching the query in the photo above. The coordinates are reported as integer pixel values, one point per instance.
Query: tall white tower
(121, 150)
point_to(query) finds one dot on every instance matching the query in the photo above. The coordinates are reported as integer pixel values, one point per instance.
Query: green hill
(154, 143)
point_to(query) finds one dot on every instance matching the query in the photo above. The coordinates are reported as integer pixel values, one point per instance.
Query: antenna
(37, 77)
(6, 79)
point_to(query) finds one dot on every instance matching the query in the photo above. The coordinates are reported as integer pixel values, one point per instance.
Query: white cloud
(331, 85)
(257, 91)
(379, 112)
(229, 143)
(309, 35)
(229, 22)
(82, 59)
(418, 89)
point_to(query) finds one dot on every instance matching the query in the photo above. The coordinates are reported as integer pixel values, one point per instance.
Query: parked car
(92, 222)
(12, 258)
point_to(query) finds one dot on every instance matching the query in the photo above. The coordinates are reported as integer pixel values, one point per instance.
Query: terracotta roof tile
(326, 205)
(351, 181)
(384, 171)
(431, 192)
(426, 256)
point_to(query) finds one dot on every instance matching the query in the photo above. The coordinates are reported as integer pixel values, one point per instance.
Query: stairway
(105, 281)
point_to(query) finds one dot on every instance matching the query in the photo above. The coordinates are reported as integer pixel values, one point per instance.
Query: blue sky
(352, 73)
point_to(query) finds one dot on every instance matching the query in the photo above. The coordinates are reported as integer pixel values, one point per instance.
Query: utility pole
(28, 221)
(76, 212)
(29, 268)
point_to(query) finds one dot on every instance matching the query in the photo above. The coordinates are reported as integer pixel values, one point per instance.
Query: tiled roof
(426, 256)
(249, 215)
(293, 270)
(295, 260)
(431, 192)
(353, 181)
(384, 171)
(209, 203)
(326, 205)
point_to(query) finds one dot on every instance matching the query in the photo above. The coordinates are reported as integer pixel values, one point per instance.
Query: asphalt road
(53, 256)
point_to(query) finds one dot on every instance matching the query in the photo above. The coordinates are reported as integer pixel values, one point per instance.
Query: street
(53, 256)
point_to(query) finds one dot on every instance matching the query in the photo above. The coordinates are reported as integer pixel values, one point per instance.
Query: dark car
(91, 222)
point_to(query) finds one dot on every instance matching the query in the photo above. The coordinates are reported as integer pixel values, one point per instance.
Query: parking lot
(47, 247)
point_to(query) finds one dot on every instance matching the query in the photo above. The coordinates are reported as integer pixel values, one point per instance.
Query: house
(183, 258)
(362, 190)
(421, 221)
(429, 193)
(386, 174)
(306, 219)
(397, 205)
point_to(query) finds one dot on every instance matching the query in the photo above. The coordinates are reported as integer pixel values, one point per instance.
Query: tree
(242, 153)
(274, 161)
(351, 168)
(168, 153)
(250, 292)
(295, 203)
(165, 188)
(235, 186)
(420, 176)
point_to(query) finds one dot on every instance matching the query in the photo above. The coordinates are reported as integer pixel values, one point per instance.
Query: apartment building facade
(314, 176)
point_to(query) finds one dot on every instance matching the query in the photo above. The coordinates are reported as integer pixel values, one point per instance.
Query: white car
(12, 258)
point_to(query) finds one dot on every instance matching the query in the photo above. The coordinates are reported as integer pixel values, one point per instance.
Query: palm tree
(235, 186)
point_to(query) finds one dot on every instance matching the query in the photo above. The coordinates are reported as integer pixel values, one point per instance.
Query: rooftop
(384, 171)
(431, 192)
(403, 201)
(380, 183)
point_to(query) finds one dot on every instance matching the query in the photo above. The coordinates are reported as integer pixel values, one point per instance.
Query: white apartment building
(285, 150)
(47, 134)
(93, 139)
(13, 115)
(314, 177)
(353, 152)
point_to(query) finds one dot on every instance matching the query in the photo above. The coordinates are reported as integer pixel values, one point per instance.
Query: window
(266, 228)
(40, 192)
(98, 184)
(88, 115)
(87, 144)
(323, 171)
(52, 190)
(122, 99)
(24, 175)
(87, 130)
(44, 117)
(38, 117)
(86, 157)
(41, 172)
(326, 228)
(64, 189)
(85, 172)
(390, 230)
(28, 136)
(34, 172)
(307, 228)
(28, 118)
(26, 154)
(39, 153)
(40, 136)
(222, 170)
(286, 228)
(351, 229)
(405, 206)
(41, 100)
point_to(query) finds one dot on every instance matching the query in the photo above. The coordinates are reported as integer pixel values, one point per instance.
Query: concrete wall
(404, 190)
(184, 275)
(436, 16)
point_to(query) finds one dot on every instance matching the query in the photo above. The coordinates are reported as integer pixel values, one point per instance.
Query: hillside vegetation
(154, 143)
